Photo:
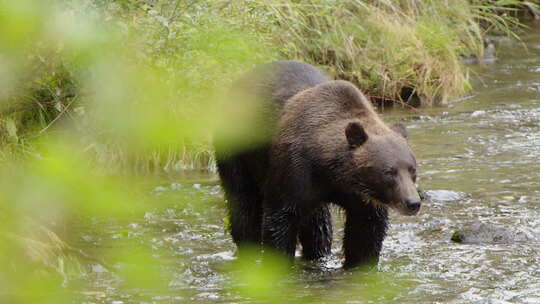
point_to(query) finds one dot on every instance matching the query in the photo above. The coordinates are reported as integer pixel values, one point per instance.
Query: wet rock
(488, 57)
(489, 54)
(490, 234)
(411, 97)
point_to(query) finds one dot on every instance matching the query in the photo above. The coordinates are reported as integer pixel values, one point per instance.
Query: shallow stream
(479, 162)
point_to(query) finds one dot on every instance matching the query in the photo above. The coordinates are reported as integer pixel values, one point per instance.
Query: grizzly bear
(325, 145)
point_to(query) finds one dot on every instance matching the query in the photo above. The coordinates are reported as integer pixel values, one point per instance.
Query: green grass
(385, 46)
(134, 81)
(137, 80)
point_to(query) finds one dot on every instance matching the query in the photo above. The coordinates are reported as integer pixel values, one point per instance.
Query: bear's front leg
(365, 230)
(280, 228)
(315, 233)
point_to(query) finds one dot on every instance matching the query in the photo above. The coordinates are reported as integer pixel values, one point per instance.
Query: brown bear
(325, 145)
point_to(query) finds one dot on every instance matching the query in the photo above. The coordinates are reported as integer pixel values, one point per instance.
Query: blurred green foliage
(82, 82)
(131, 77)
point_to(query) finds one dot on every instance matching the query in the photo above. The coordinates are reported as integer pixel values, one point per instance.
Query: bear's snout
(413, 205)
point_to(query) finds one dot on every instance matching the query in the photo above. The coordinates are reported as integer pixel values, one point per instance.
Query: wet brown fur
(315, 158)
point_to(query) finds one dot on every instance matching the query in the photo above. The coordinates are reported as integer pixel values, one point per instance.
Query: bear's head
(383, 168)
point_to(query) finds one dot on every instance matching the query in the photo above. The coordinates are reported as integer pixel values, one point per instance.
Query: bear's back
(328, 103)
(314, 121)
(279, 81)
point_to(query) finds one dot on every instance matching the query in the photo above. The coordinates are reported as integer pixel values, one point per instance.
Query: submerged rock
(490, 234)
(487, 58)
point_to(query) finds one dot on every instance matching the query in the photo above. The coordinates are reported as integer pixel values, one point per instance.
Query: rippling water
(478, 162)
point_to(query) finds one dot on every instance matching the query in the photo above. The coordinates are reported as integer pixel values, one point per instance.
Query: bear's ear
(400, 129)
(356, 135)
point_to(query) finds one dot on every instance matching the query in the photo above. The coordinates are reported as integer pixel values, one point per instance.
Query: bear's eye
(412, 171)
(390, 171)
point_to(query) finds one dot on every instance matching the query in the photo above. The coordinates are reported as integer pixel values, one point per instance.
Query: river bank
(173, 60)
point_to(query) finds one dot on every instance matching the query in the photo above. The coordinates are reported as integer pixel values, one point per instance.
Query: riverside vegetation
(93, 91)
(57, 62)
